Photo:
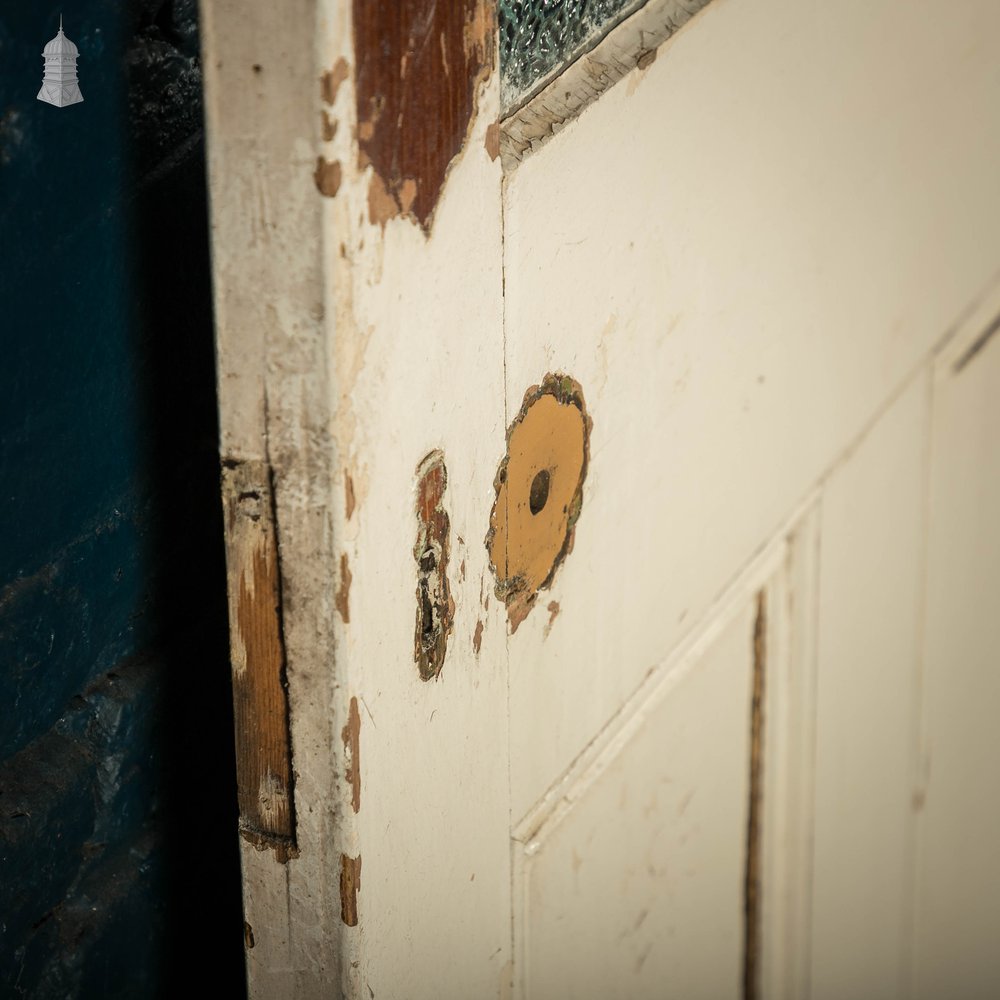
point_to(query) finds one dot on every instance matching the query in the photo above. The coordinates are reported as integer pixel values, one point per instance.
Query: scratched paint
(539, 492)
(435, 606)
(419, 64)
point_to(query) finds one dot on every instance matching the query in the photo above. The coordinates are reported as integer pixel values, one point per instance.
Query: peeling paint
(351, 735)
(330, 81)
(327, 176)
(248, 938)
(419, 64)
(477, 637)
(435, 606)
(342, 600)
(539, 492)
(350, 886)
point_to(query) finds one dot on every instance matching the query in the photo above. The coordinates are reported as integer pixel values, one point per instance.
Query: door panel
(633, 886)
(958, 877)
(742, 262)
(740, 252)
(870, 601)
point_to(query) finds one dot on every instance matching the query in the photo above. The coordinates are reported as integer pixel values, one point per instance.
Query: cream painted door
(609, 489)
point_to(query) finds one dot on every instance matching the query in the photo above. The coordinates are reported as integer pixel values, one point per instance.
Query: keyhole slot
(539, 493)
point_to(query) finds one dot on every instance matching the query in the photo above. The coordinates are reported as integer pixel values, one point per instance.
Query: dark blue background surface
(117, 788)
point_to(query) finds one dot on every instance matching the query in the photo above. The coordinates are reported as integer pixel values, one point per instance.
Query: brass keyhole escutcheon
(539, 492)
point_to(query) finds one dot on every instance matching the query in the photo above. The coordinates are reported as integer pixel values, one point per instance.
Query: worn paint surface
(263, 742)
(539, 492)
(418, 64)
(350, 886)
(435, 606)
(351, 735)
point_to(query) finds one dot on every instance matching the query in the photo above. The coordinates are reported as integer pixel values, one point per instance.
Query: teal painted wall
(118, 849)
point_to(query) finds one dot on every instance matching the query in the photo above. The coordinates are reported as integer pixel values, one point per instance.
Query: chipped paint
(327, 176)
(492, 142)
(350, 501)
(419, 64)
(330, 81)
(553, 610)
(539, 492)
(263, 739)
(351, 735)
(350, 886)
(477, 637)
(435, 606)
(248, 939)
(342, 600)
(329, 126)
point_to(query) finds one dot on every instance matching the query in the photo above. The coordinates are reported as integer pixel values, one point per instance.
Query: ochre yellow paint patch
(539, 491)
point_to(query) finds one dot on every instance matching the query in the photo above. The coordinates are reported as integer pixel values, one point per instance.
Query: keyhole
(539, 491)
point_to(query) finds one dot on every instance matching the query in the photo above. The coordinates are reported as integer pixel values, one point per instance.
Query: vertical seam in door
(503, 338)
(751, 886)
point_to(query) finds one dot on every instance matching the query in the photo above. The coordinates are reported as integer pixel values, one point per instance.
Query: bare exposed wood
(263, 744)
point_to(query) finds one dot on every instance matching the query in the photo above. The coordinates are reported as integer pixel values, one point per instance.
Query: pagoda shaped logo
(59, 85)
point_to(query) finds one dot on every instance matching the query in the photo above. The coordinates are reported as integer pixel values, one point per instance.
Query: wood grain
(263, 746)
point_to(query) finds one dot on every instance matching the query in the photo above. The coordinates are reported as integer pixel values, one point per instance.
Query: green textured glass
(538, 37)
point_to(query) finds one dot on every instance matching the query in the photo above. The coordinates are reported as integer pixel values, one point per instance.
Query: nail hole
(539, 491)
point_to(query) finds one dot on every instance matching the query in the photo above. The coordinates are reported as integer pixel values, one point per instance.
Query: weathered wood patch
(263, 739)
(418, 63)
(350, 886)
(435, 606)
(539, 492)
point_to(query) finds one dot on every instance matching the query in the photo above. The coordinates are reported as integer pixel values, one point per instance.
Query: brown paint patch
(343, 598)
(751, 884)
(248, 938)
(350, 500)
(329, 128)
(351, 735)
(553, 610)
(435, 607)
(327, 176)
(260, 699)
(539, 492)
(350, 886)
(493, 140)
(330, 81)
(477, 638)
(419, 63)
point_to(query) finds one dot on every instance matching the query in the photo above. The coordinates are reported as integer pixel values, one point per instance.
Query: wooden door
(608, 479)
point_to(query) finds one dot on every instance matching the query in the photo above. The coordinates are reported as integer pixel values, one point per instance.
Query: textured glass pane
(540, 36)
